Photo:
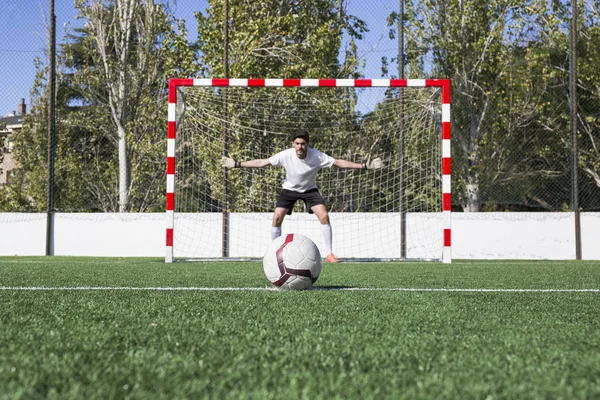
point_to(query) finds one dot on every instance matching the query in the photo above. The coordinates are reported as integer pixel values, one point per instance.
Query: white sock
(326, 231)
(275, 232)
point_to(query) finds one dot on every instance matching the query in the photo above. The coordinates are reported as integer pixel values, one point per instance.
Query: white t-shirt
(301, 174)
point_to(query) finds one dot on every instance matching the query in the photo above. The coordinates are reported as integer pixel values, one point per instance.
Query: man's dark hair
(302, 134)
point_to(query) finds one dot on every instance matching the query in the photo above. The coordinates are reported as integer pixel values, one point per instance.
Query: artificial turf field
(139, 328)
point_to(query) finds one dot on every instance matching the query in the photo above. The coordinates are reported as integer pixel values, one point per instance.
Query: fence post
(574, 144)
(51, 135)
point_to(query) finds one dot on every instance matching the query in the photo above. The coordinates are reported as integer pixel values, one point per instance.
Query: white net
(390, 213)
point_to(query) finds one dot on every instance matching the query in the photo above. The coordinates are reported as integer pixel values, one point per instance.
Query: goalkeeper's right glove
(228, 162)
(373, 164)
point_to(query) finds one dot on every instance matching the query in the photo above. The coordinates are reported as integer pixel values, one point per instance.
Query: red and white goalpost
(218, 230)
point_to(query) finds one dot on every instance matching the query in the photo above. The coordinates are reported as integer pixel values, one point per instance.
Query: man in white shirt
(301, 164)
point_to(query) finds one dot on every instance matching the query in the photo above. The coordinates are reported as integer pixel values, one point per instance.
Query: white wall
(504, 235)
(22, 234)
(110, 234)
(513, 236)
(590, 236)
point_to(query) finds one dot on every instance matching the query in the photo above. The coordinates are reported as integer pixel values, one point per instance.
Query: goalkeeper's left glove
(373, 164)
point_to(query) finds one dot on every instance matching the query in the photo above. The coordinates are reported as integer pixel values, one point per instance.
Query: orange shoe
(331, 258)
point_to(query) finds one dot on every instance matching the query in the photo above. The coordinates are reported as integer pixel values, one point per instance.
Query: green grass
(312, 344)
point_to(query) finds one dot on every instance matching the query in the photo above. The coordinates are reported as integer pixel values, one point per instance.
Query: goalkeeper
(301, 164)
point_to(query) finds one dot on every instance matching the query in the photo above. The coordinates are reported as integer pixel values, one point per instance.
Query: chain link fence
(508, 63)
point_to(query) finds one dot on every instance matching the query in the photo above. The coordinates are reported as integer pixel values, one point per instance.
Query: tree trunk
(473, 201)
(123, 171)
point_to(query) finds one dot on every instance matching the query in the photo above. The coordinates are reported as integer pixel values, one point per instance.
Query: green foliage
(507, 60)
(131, 64)
(30, 152)
(89, 164)
(509, 114)
(14, 196)
(276, 39)
(589, 103)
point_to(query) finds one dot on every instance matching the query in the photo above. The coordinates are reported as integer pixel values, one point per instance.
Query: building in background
(10, 125)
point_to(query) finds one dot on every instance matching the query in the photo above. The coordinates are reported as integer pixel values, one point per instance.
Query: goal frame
(444, 84)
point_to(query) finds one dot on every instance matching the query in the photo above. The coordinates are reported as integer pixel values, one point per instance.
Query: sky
(24, 30)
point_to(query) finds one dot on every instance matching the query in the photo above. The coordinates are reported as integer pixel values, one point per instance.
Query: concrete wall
(474, 235)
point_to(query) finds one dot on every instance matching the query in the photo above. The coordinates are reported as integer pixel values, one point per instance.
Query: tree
(30, 151)
(87, 175)
(274, 39)
(485, 48)
(589, 101)
(131, 52)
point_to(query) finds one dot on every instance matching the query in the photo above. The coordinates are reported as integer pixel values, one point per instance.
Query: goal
(399, 212)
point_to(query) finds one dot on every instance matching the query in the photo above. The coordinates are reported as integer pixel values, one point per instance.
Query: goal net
(398, 212)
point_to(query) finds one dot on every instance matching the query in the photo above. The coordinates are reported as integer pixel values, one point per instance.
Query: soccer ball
(292, 262)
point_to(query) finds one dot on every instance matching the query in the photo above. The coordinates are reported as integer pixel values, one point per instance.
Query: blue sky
(24, 24)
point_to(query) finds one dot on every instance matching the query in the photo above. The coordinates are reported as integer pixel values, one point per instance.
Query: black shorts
(287, 199)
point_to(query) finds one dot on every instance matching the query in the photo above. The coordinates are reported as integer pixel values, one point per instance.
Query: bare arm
(228, 162)
(258, 163)
(369, 164)
(348, 164)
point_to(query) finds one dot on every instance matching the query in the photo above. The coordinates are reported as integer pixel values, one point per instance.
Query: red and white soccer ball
(292, 262)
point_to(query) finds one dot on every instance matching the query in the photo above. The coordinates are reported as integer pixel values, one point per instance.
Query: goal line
(273, 289)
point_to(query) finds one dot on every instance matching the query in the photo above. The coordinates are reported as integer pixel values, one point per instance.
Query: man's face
(300, 146)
